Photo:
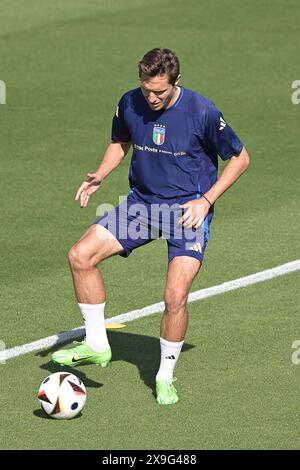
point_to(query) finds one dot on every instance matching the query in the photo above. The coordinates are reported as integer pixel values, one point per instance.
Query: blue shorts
(135, 223)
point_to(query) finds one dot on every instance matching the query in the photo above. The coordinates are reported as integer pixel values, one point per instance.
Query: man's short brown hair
(159, 61)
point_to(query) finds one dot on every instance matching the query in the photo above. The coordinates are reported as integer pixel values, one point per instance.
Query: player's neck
(174, 97)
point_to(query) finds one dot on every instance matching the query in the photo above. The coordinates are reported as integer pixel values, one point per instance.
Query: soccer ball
(62, 395)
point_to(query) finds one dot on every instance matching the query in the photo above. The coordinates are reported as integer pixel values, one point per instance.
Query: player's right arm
(113, 156)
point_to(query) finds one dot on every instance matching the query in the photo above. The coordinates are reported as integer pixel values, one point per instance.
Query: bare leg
(94, 246)
(181, 273)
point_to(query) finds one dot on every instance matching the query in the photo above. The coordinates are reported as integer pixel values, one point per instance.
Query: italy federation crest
(159, 133)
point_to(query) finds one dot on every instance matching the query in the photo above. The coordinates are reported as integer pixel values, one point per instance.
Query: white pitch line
(154, 308)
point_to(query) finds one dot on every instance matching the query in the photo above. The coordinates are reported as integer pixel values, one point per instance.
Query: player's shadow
(140, 350)
(52, 368)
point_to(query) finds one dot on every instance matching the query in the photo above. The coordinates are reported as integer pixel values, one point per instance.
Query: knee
(79, 259)
(175, 300)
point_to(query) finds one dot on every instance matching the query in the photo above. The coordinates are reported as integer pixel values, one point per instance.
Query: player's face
(159, 92)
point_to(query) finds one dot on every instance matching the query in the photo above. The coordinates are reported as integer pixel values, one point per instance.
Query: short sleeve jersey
(175, 150)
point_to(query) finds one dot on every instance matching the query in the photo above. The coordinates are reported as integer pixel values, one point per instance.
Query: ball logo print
(62, 395)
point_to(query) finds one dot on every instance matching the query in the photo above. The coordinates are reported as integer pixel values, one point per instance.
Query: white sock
(93, 315)
(169, 356)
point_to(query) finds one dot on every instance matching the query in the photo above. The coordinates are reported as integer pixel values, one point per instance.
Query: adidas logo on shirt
(170, 357)
(222, 124)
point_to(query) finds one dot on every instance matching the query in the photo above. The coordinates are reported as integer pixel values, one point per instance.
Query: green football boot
(81, 354)
(166, 393)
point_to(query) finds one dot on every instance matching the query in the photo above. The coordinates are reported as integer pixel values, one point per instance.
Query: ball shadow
(42, 414)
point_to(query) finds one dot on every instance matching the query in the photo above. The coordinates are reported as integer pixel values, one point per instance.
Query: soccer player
(176, 137)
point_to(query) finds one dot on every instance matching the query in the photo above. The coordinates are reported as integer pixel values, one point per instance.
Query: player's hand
(195, 212)
(88, 187)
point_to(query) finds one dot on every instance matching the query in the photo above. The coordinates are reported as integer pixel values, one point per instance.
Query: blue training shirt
(175, 150)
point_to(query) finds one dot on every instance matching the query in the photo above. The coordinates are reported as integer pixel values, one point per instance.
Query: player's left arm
(231, 173)
(197, 209)
(220, 137)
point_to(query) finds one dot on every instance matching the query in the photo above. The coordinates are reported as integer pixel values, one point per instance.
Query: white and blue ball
(62, 395)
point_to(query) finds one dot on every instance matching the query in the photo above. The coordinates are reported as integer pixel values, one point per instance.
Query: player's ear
(177, 79)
